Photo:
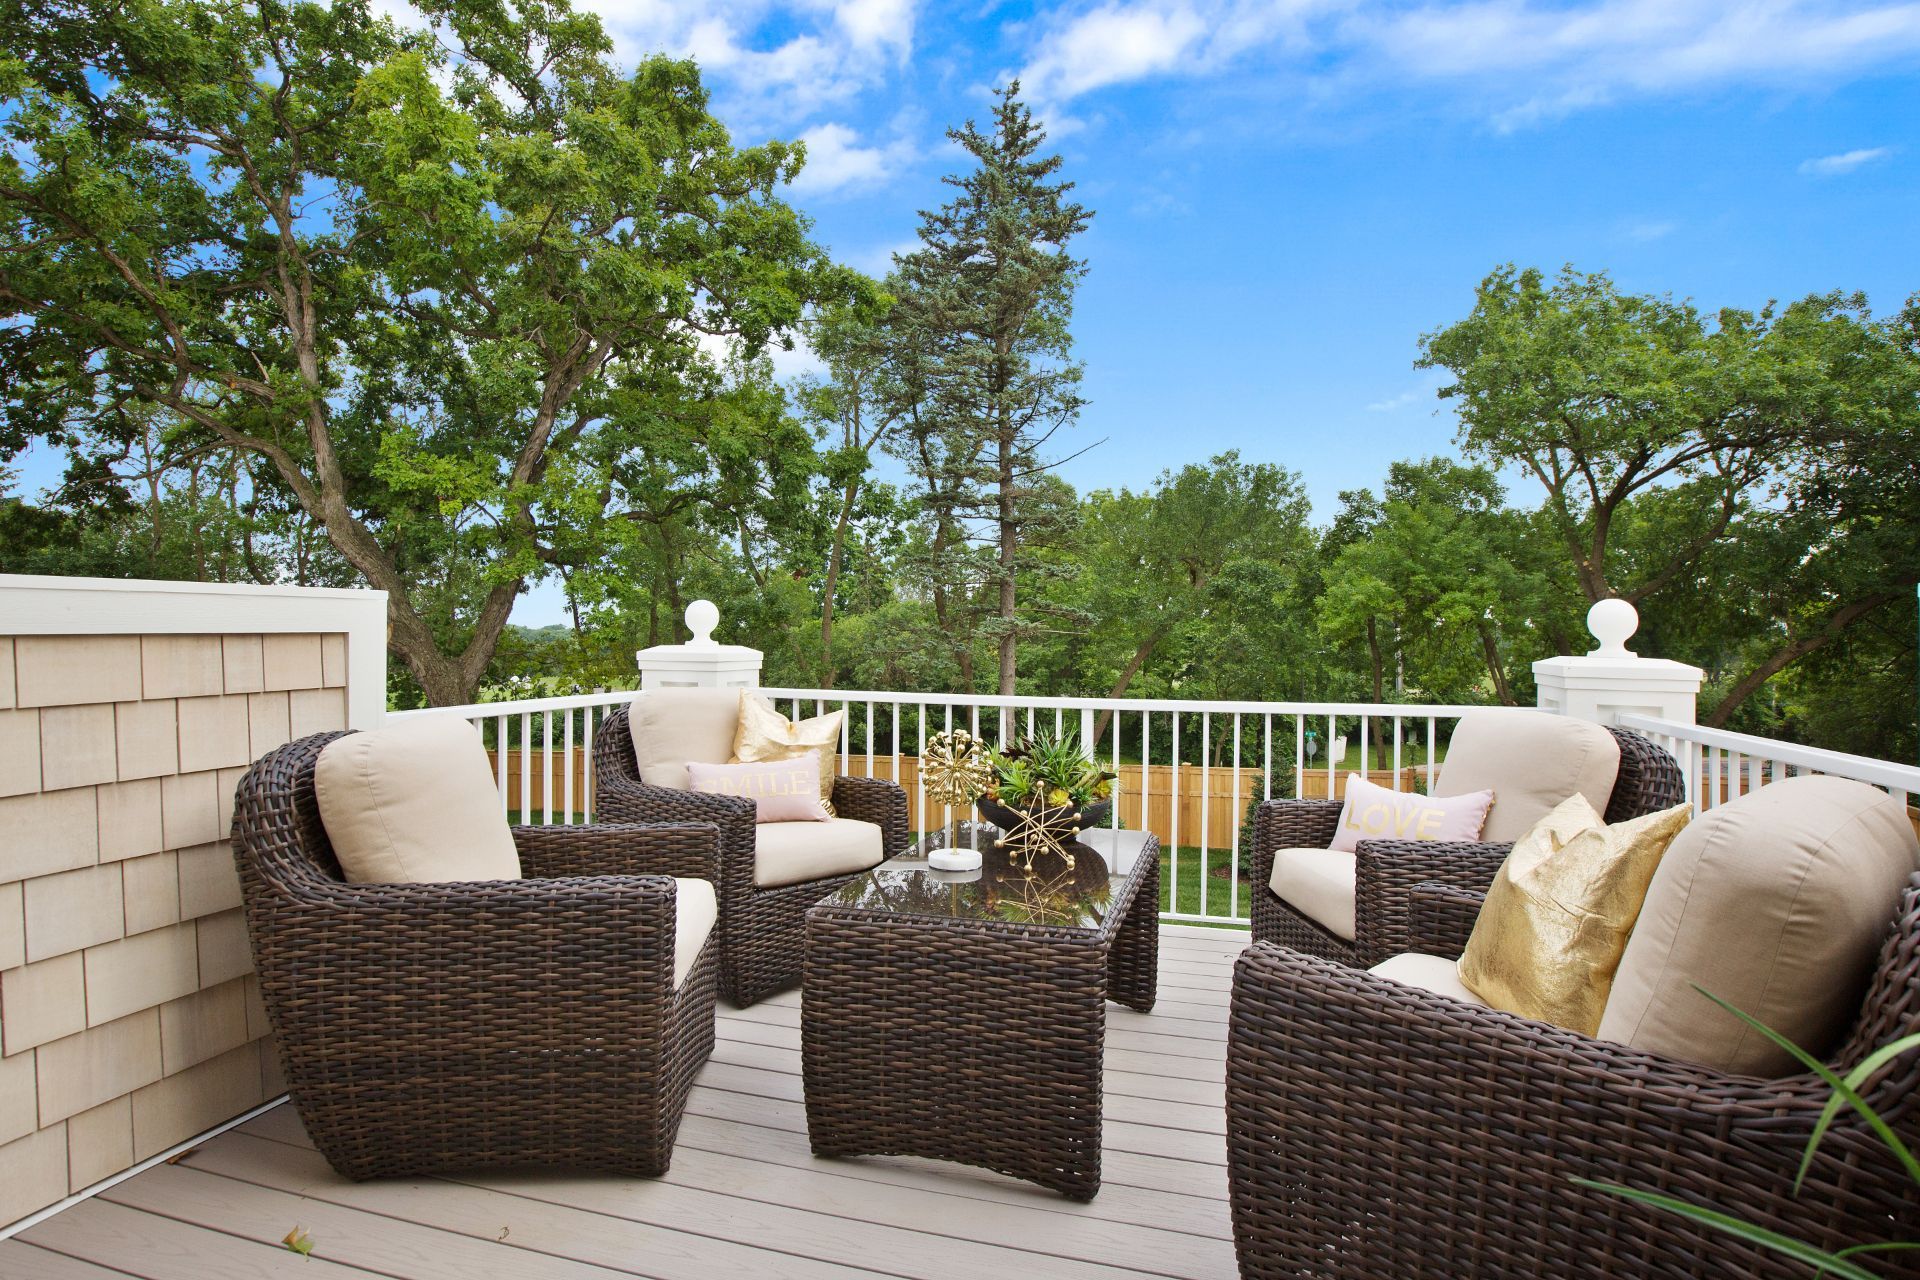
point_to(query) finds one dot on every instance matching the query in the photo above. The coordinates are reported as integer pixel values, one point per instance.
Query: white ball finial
(1611, 622)
(702, 617)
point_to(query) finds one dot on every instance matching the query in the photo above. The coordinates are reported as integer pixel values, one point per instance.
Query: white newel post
(1611, 681)
(700, 663)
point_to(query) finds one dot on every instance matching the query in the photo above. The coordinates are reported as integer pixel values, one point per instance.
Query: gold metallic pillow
(1555, 922)
(764, 734)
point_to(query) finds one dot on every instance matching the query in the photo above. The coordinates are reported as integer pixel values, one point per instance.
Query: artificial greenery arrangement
(1846, 1093)
(1047, 771)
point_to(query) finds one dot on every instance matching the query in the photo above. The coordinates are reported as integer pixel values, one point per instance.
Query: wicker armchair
(762, 931)
(1376, 1129)
(1649, 780)
(512, 1023)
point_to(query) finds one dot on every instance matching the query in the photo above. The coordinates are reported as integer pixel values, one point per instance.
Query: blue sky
(1288, 194)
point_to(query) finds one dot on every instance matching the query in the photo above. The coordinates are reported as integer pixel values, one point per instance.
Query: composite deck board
(745, 1199)
(22, 1261)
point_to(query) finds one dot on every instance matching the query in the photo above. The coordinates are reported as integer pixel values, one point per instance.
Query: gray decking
(745, 1198)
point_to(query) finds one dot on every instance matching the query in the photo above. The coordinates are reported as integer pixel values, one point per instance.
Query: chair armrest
(423, 966)
(1440, 918)
(1290, 824)
(690, 850)
(878, 801)
(1386, 870)
(624, 799)
(1499, 1113)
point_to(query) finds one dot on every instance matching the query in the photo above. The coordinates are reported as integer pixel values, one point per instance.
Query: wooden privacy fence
(1213, 800)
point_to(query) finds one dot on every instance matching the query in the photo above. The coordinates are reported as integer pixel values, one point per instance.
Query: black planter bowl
(1063, 822)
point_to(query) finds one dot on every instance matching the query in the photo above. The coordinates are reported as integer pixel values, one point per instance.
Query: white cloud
(1391, 403)
(836, 161)
(1545, 58)
(877, 24)
(1647, 230)
(1845, 162)
(770, 65)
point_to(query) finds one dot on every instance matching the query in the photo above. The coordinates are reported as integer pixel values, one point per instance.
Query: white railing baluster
(566, 754)
(1206, 800)
(586, 765)
(1299, 757)
(526, 770)
(546, 768)
(500, 759)
(1239, 817)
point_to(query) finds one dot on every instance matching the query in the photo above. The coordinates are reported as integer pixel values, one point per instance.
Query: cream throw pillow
(1554, 925)
(414, 803)
(1372, 812)
(1778, 903)
(765, 734)
(781, 790)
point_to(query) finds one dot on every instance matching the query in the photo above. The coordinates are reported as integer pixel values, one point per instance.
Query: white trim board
(12, 1229)
(33, 605)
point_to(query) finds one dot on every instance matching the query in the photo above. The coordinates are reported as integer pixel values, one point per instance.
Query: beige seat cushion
(414, 803)
(1429, 973)
(1776, 902)
(1531, 761)
(792, 852)
(694, 911)
(1318, 883)
(672, 727)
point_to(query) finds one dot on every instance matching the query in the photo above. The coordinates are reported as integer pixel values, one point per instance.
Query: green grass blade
(1797, 1249)
(1841, 1089)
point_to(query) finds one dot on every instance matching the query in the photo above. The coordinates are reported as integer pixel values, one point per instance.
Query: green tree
(986, 302)
(1603, 396)
(411, 272)
(1446, 582)
(1149, 563)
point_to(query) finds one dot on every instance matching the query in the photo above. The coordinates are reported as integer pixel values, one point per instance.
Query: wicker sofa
(1648, 779)
(508, 1023)
(1387, 1128)
(761, 929)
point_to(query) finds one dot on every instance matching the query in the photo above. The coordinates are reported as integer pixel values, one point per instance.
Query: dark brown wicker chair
(1649, 780)
(1376, 1129)
(512, 1023)
(762, 932)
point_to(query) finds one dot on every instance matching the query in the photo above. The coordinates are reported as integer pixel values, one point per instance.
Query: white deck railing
(1720, 765)
(1187, 770)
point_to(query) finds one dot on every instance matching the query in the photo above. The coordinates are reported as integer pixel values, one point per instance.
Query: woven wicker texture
(1649, 780)
(761, 931)
(1378, 1130)
(970, 1040)
(515, 1023)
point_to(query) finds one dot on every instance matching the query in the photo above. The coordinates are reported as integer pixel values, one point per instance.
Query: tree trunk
(1792, 652)
(1495, 668)
(835, 558)
(1127, 673)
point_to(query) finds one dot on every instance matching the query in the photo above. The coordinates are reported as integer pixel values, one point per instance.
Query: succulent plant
(1050, 770)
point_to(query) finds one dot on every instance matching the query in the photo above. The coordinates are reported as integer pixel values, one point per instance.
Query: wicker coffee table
(962, 1016)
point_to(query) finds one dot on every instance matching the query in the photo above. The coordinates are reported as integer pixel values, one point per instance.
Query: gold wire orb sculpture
(954, 768)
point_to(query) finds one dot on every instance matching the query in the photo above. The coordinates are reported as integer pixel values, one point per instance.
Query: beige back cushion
(414, 803)
(1531, 761)
(672, 727)
(1778, 903)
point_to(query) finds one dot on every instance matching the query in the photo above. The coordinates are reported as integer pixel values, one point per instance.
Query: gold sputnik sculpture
(954, 767)
(1036, 832)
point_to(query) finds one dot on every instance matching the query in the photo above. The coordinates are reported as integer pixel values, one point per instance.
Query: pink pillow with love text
(781, 790)
(1375, 813)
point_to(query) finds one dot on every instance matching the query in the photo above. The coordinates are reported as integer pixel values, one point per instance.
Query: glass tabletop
(1074, 890)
